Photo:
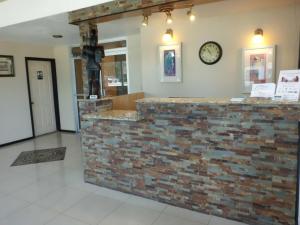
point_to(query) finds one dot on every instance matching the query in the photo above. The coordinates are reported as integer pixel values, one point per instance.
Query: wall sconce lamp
(258, 36)
(145, 21)
(168, 36)
(169, 17)
(191, 15)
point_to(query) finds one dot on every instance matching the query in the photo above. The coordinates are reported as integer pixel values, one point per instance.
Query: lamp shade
(168, 36)
(258, 36)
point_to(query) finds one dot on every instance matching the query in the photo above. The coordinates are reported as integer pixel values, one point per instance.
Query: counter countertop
(220, 101)
(127, 115)
(95, 100)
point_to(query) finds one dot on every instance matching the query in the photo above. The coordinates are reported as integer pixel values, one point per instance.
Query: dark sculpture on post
(94, 55)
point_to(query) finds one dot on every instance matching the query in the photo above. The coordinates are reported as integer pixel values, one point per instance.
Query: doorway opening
(43, 95)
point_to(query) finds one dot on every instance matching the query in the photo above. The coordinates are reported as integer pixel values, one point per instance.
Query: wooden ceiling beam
(127, 8)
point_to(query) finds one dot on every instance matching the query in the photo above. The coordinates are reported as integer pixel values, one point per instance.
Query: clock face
(210, 53)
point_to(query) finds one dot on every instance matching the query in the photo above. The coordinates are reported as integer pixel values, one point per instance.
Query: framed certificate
(258, 66)
(7, 66)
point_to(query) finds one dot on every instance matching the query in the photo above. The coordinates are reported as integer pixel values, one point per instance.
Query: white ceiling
(40, 31)
(19, 11)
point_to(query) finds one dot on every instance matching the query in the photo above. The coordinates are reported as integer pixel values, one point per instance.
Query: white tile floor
(54, 193)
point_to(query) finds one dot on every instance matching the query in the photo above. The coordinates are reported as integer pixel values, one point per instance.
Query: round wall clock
(210, 53)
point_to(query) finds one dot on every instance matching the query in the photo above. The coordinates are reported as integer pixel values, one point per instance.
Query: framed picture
(170, 63)
(7, 66)
(258, 66)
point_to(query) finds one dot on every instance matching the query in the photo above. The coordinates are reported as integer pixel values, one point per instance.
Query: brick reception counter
(235, 160)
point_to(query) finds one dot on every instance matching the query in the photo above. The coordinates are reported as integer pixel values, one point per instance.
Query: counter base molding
(238, 161)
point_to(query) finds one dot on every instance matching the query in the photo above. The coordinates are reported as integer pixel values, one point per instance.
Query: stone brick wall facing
(238, 161)
(91, 106)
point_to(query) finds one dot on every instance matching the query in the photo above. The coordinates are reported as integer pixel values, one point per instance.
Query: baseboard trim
(15, 142)
(68, 131)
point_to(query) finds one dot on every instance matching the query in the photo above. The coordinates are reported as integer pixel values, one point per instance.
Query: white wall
(17, 11)
(134, 63)
(64, 64)
(231, 23)
(15, 121)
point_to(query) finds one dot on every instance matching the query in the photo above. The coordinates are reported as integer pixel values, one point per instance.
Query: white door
(41, 90)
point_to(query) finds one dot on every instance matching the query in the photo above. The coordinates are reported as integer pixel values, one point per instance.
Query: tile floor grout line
(46, 195)
(37, 178)
(72, 217)
(25, 186)
(211, 216)
(15, 211)
(58, 214)
(110, 213)
(161, 212)
(73, 203)
(62, 214)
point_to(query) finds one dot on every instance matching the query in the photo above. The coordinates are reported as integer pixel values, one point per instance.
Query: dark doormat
(39, 156)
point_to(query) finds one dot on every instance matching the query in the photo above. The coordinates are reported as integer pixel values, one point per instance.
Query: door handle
(32, 103)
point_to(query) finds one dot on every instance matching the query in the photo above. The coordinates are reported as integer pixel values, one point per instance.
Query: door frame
(74, 93)
(54, 87)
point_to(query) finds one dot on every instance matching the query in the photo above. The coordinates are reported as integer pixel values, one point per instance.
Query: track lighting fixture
(145, 20)
(169, 17)
(191, 15)
(167, 9)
